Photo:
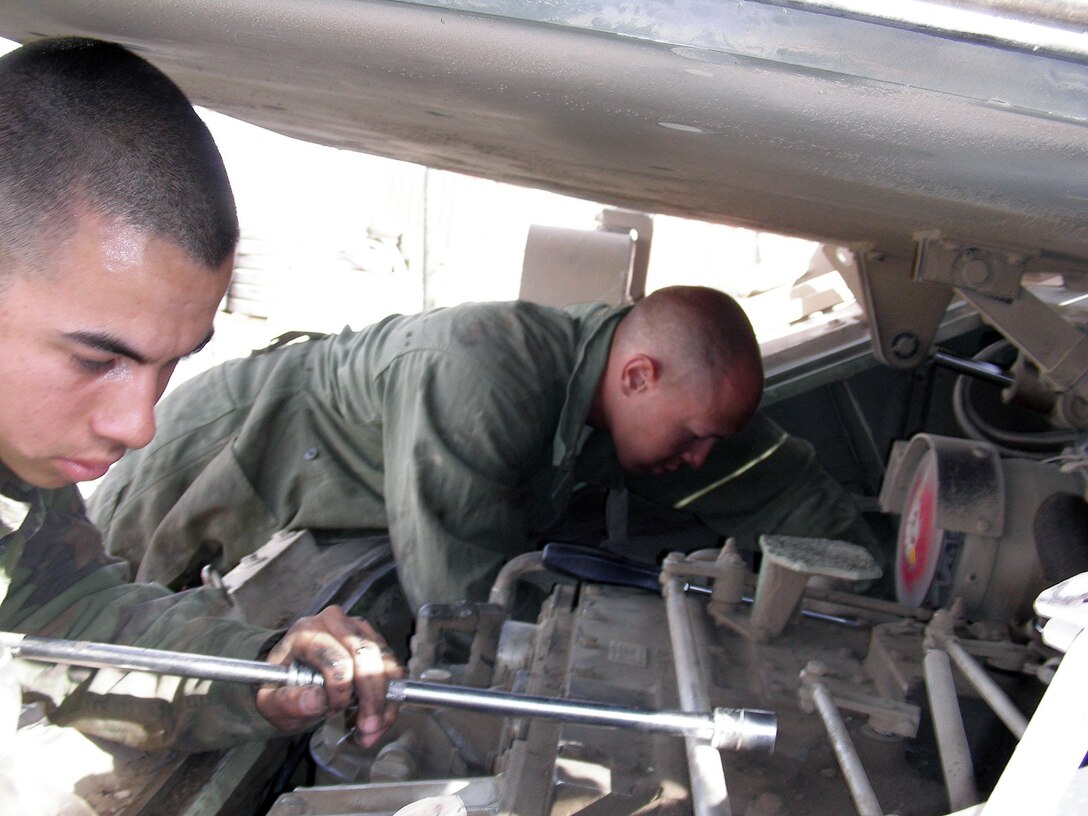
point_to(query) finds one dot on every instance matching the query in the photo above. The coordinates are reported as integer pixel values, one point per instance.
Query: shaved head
(683, 371)
(697, 334)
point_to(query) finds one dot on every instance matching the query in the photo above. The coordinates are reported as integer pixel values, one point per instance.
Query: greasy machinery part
(999, 702)
(609, 643)
(805, 613)
(968, 465)
(589, 642)
(905, 299)
(992, 693)
(788, 564)
(735, 729)
(1057, 347)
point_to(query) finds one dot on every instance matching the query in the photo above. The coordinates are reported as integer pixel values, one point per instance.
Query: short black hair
(89, 127)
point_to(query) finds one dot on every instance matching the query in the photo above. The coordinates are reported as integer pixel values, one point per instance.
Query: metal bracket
(906, 299)
(1056, 346)
(985, 270)
(904, 314)
(989, 279)
(888, 717)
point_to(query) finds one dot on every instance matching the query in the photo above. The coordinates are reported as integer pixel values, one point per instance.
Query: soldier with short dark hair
(467, 433)
(117, 239)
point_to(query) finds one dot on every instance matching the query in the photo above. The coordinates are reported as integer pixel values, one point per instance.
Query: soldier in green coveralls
(117, 237)
(464, 432)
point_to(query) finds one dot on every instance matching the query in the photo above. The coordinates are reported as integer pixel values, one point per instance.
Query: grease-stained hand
(356, 664)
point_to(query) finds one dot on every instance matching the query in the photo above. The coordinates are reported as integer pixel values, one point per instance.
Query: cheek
(649, 444)
(38, 410)
(629, 448)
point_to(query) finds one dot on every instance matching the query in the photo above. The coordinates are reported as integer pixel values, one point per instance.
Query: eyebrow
(112, 345)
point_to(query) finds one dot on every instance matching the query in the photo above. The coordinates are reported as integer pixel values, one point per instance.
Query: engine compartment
(909, 706)
(613, 644)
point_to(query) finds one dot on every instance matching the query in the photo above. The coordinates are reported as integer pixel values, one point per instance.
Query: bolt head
(905, 345)
(975, 271)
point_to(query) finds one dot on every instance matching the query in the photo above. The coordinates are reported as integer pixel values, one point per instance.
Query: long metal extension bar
(727, 728)
(709, 794)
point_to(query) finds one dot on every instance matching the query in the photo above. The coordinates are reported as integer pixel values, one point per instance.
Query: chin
(45, 481)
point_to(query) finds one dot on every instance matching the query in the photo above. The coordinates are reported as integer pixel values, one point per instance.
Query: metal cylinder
(732, 574)
(134, 658)
(979, 369)
(502, 591)
(959, 773)
(737, 729)
(861, 790)
(709, 795)
(990, 691)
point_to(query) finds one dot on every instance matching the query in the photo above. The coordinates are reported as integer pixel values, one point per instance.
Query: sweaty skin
(89, 344)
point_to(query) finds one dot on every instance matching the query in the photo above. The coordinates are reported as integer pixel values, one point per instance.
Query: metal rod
(989, 690)
(805, 613)
(133, 658)
(861, 790)
(709, 795)
(975, 368)
(725, 728)
(959, 772)
(738, 729)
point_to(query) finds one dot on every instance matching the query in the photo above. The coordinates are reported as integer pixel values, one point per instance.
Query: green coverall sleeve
(60, 583)
(459, 448)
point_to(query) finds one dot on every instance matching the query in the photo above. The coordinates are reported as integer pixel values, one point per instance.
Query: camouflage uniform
(57, 581)
(462, 431)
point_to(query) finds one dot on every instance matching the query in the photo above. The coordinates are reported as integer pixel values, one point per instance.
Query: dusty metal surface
(779, 118)
(610, 644)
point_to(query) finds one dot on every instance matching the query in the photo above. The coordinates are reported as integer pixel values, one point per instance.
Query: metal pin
(807, 613)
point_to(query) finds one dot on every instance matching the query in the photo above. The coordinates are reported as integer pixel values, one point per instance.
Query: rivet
(905, 345)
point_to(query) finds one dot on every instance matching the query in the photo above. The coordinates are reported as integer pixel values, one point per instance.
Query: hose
(1023, 444)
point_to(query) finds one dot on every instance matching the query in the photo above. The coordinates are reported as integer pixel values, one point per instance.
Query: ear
(639, 374)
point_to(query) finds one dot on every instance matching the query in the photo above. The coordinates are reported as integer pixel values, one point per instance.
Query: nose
(697, 452)
(125, 414)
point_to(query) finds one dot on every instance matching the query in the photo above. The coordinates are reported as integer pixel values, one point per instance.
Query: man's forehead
(119, 290)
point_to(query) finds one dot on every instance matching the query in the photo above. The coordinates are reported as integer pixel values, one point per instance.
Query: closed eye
(92, 366)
